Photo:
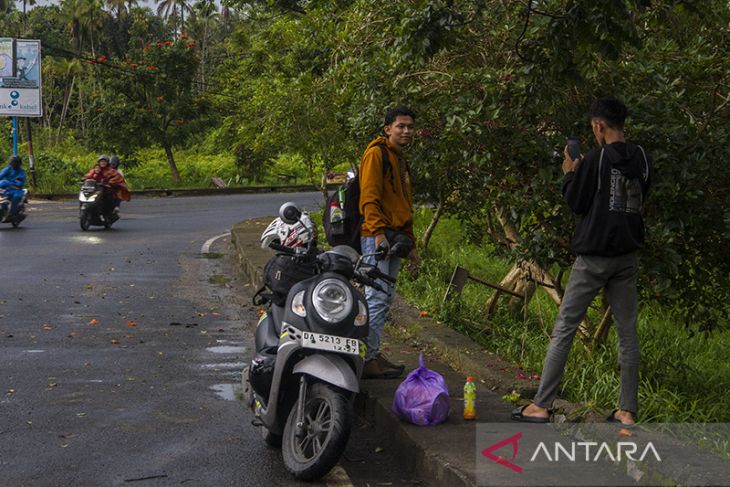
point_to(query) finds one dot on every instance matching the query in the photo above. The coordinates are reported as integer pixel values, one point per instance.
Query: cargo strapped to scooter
(281, 272)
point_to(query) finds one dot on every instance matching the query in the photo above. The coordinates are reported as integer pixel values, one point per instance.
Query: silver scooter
(310, 354)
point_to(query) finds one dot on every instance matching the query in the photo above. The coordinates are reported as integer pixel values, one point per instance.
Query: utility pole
(31, 158)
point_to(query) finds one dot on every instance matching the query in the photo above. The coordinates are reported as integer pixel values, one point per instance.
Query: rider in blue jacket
(12, 180)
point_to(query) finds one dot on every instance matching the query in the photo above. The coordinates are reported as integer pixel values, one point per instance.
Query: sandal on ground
(613, 420)
(518, 416)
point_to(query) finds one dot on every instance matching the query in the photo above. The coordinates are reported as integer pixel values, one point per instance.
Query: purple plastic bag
(422, 398)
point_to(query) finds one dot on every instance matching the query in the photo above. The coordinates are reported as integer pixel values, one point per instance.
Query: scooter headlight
(332, 300)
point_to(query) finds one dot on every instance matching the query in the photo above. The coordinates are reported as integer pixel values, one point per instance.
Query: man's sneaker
(374, 370)
(387, 364)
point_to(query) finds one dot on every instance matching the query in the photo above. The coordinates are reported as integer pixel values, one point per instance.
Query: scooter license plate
(330, 343)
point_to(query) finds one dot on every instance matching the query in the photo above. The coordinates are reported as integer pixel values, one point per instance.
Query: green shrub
(684, 373)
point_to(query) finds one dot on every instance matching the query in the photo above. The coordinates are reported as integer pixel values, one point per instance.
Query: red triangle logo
(512, 440)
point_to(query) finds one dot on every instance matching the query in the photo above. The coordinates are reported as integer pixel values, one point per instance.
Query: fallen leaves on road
(625, 432)
(93, 322)
(47, 327)
(80, 415)
(115, 341)
(423, 313)
(131, 323)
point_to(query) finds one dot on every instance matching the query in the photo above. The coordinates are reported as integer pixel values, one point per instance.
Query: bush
(683, 372)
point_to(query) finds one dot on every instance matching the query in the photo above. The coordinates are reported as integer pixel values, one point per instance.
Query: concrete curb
(409, 442)
(444, 456)
(198, 191)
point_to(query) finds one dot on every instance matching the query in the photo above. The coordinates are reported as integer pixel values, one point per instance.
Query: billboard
(20, 78)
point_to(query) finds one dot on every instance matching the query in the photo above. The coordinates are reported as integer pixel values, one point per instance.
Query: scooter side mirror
(289, 213)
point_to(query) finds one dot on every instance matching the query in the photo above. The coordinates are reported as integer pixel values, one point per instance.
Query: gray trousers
(589, 275)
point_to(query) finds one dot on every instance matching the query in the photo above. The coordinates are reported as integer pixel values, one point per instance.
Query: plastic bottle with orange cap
(470, 399)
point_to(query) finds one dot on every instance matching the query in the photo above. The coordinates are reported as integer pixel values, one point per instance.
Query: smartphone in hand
(574, 148)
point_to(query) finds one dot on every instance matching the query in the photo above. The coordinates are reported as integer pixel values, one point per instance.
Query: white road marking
(205, 249)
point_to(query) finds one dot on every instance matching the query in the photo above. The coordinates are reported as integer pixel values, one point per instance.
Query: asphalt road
(121, 351)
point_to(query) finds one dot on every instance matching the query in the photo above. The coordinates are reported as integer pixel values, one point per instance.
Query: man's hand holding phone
(571, 155)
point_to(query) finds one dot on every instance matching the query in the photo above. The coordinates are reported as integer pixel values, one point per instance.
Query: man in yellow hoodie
(386, 203)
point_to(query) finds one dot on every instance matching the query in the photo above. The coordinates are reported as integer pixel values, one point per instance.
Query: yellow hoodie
(384, 202)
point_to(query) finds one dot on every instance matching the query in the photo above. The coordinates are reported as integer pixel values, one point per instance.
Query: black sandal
(612, 419)
(518, 416)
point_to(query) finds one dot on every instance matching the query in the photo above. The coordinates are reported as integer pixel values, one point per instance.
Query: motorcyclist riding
(102, 172)
(114, 162)
(12, 180)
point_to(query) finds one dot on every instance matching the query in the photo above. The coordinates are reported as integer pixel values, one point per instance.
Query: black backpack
(281, 272)
(341, 217)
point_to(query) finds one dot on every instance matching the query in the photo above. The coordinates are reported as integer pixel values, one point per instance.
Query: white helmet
(294, 235)
(273, 233)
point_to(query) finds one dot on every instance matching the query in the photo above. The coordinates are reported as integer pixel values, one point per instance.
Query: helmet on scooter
(272, 234)
(301, 232)
(294, 235)
(103, 157)
(114, 162)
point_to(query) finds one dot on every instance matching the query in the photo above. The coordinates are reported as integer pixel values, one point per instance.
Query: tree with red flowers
(150, 98)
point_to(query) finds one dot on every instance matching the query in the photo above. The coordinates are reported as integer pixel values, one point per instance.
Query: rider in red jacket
(102, 172)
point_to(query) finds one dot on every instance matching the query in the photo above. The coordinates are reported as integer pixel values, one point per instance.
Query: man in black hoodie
(606, 190)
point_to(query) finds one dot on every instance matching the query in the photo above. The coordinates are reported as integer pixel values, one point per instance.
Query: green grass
(60, 166)
(684, 374)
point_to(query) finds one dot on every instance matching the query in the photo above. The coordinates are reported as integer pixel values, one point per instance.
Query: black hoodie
(609, 207)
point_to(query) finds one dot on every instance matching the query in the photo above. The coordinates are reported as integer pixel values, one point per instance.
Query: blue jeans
(378, 301)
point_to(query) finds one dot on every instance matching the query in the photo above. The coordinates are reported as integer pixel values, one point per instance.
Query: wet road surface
(121, 352)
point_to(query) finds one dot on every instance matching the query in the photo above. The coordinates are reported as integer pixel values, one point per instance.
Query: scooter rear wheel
(327, 425)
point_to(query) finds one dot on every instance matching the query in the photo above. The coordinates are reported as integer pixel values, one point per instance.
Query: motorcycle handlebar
(378, 274)
(369, 282)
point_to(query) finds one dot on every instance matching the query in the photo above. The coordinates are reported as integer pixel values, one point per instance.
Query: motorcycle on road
(96, 205)
(6, 217)
(309, 352)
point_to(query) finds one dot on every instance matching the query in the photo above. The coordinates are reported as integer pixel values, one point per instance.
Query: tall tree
(170, 9)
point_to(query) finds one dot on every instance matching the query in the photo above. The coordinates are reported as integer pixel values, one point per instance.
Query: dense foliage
(282, 86)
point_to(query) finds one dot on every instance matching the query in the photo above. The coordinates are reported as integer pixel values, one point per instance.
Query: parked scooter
(19, 216)
(96, 205)
(310, 352)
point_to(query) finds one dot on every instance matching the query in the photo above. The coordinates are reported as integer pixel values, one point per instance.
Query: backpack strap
(386, 159)
(386, 164)
(600, 165)
(645, 172)
(261, 297)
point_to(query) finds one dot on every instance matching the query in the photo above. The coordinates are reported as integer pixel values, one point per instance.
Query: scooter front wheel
(84, 220)
(324, 434)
